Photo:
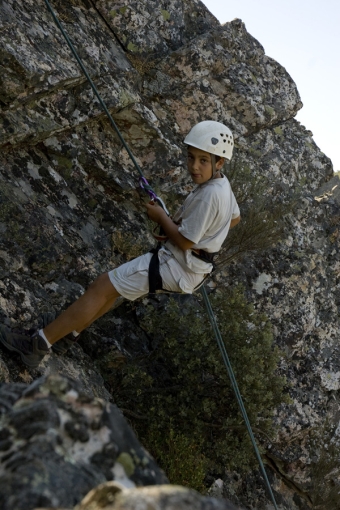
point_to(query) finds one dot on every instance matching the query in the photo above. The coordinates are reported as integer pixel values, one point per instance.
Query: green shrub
(183, 389)
(263, 210)
(180, 456)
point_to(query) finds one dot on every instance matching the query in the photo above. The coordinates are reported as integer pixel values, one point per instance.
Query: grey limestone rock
(43, 88)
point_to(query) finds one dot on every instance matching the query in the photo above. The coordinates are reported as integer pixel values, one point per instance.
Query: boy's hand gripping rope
(145, 185)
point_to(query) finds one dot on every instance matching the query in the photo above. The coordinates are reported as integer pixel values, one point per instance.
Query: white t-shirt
(204, 218)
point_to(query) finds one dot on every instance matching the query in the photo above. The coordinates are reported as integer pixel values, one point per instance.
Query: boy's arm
(235, 221)
(157, 214)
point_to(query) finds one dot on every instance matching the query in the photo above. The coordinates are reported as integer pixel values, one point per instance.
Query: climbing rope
(145, 185)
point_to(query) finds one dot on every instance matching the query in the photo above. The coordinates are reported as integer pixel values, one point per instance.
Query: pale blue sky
(304, 37)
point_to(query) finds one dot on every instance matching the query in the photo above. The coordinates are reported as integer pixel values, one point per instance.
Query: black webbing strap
(155, 279)
(206, 257)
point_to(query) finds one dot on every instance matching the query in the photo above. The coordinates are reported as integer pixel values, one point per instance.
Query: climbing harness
(155, 279)
(145, 185)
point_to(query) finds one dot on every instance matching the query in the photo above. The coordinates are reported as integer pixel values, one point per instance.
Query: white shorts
(131, 280)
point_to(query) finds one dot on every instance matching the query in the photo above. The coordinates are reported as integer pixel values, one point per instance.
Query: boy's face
(200, 166)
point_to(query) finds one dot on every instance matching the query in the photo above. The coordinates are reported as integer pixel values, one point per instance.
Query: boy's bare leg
(101, 312)
(97, 300)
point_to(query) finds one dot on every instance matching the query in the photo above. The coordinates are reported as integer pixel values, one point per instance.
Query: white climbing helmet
(212, 137)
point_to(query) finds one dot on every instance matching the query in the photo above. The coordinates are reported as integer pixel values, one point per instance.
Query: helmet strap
(213, 166)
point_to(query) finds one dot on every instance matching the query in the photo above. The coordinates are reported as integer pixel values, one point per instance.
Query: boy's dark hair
(217, 158)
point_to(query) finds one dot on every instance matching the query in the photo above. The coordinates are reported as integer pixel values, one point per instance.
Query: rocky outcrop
(56, 443)
(70, 205)
(155, 28)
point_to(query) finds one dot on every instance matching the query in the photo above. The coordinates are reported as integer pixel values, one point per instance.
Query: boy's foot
(31, 349)
(63, 345)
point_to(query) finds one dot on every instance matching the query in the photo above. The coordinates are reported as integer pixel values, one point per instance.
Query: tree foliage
(181, 389)
(263, 210)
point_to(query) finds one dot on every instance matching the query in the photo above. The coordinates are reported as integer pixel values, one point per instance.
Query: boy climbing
(194, 235)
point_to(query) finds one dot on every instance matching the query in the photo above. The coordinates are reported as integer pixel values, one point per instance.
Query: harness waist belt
(205, 255)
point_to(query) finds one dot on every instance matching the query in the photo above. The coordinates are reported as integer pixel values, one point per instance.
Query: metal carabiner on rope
(146, 187)
(160, 236)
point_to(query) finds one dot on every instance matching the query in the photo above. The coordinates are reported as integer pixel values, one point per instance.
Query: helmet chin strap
(213, 166)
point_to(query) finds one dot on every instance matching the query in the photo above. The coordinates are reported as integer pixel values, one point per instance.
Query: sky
(304, 37)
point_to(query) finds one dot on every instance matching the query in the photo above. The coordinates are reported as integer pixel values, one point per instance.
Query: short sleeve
(236, 210)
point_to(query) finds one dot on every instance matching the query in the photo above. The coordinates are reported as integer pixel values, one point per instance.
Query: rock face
(70, 205)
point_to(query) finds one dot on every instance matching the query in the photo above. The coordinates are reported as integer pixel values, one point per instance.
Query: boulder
(57, 444)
